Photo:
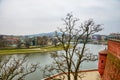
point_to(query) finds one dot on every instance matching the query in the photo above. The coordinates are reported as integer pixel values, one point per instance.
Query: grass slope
(31, 50)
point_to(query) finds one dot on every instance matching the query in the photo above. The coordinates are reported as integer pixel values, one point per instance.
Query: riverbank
(31, 50)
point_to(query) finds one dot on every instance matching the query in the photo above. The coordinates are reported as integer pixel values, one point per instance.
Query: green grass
(31, 50)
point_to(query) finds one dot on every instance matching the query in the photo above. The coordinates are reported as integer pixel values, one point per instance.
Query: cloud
(36, 16)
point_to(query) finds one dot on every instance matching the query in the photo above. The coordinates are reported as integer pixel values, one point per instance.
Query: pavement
(85, 75)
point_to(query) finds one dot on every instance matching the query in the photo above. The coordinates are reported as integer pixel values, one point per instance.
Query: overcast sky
(21, 17)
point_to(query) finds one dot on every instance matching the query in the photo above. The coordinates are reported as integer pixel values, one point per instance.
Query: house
(9, 41)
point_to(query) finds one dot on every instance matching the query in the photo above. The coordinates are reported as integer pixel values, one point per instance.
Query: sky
(23, 17)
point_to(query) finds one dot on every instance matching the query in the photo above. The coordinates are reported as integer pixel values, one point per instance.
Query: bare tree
(2, 42)
(70, 60)
(42, 41)
(54, 41)
(12, 68)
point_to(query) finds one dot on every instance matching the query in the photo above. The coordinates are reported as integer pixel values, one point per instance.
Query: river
(45, 59)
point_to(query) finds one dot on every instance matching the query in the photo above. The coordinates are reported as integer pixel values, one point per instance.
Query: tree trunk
(68, 76)
(76, 76)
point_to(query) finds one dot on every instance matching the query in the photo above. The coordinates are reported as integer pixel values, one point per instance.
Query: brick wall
(114, 47)
(112, 67)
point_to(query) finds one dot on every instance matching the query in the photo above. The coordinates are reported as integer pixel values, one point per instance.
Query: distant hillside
(51, 34)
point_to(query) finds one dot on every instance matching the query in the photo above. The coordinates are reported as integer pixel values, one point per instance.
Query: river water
(45, 59)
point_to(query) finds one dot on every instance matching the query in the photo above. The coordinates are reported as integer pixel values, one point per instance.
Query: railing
(114, 37)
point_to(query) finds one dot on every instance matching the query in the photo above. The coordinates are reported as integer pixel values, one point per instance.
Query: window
(101, 61)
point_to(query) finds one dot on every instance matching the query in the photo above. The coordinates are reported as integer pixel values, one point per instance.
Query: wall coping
(53, 76)
(116, 40)
(103, 52)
